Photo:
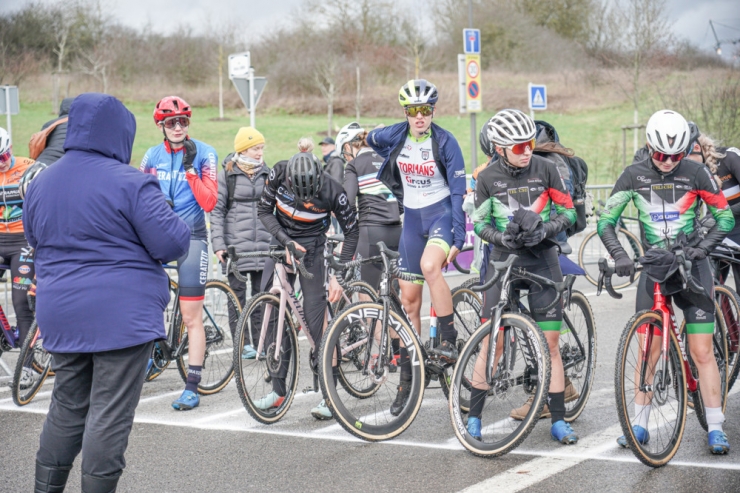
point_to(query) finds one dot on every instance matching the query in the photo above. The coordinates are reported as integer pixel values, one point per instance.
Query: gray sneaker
(27, 379)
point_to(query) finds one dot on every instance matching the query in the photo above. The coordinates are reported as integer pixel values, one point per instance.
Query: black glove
(624, 266)
(695, 253)
(510, 241)
(527, 220)
(189, 153)
(535, 237)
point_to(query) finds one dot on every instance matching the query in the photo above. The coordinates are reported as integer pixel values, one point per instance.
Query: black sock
(279, 387)
(405, 363)
(477, 400)
(396, 346)
(335, 374)
(446, 325)
(556, 403)
(193, 378)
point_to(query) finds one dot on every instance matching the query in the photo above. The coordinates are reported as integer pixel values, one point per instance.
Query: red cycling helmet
(171, 106)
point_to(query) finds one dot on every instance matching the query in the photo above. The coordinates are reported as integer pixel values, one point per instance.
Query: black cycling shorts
(367, 247)
(192, 271)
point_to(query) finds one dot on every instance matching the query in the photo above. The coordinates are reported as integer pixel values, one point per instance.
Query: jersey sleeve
(351, 184)
(482, 223)
(346, 215)
(145, 167)
(606, 227)
(711, 194)
(456, 182)
(203, 183)
(732, 161)
(266, 206)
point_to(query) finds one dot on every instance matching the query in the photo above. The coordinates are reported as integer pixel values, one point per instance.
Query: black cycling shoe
(402, 397)
(446, 352)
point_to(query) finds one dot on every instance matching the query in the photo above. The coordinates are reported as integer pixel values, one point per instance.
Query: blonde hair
(305, 144)
(711, 155)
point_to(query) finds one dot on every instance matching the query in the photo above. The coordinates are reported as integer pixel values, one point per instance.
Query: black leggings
(367, 247)
(15, 252)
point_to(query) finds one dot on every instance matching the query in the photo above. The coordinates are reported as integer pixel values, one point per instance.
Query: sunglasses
(5, 156)
(522, 147)
(659, 156)
(171, 123)
(413, 111)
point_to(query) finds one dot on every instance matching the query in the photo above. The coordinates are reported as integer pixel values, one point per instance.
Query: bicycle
(278, 310)
(592, 249)
(217, 362)
(660, 373)
(729, 303)
(516, 366)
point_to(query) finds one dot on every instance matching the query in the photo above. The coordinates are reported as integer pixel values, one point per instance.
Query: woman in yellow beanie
(234, 219)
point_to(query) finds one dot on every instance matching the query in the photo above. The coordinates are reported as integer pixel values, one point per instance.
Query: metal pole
(473, 126)
(7, 113)
(220, 82)
(251, 97)
(624, 147)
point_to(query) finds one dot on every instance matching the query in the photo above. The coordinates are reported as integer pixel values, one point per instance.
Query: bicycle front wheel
(521, 372)
(254, 377)
(592, 249)
(578, 352)
(32, 368)
(650, 389)
(728, 304)
(218, 366)
(372, 418)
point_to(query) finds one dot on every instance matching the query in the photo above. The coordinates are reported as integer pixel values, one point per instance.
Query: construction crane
(719, 43)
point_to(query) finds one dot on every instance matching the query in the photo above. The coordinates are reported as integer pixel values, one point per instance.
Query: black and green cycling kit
(668, 204)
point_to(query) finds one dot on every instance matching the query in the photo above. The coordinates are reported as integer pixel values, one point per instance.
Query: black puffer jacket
(241, 226)
(55, 141)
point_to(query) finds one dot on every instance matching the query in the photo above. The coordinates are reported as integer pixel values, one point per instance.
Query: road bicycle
(729, 303)
(592, 249)
(274, 317)
(658, 371)
(370, 327)
(217, 369)
(515, 367)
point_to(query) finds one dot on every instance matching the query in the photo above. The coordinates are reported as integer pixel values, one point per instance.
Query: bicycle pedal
(310, 389)
(392, 368)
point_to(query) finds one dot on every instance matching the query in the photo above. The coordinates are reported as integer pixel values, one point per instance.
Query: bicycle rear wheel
(578, 352)
(159, 361)
(35, 362)
(254, 376)
(592, 249)
(521, 372)
(666, 418)
(466, 307)
(370, 418)
(218, 365)
(729, 305)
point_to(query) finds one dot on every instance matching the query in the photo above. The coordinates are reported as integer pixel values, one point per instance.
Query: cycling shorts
(192, 271)
(699, 320)
(367, 247)
(431, 225)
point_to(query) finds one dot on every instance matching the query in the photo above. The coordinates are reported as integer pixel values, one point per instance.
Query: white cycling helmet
(509, 127)
(349, 133)
(4, 141)
(667, 132)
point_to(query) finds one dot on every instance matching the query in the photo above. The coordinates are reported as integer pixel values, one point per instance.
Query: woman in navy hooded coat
(101, 230)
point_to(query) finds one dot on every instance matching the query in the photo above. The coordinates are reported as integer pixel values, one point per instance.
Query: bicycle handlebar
(276, 253)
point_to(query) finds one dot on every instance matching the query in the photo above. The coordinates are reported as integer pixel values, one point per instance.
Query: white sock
(715, 418)
(642, 415)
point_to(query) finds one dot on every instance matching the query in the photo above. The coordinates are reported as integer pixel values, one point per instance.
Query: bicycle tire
(362, 417)
(159, 361)
(253, 380)
(719, 344)
(649, 453)
(588, 261)
(459, 269)
(217, 369)
(729, 303)
(571, 351)
(510, 393)
(466, 307)
(35, 359)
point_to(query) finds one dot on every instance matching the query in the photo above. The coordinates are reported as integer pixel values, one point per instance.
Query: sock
(395, 346)
(642, 415)
(477, 400)
(335, 374)
(405, 363)
(193, 378)
(278, 386)
(446, 324)
(715, 418)
(556, 403)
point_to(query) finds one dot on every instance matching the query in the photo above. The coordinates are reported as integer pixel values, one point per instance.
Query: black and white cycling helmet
(349, 134)
(510, 127)
(668, 132)
(305, 176)
(28, 176)
(485, 143)
(693, 136)
(418, 92)
(4, 141)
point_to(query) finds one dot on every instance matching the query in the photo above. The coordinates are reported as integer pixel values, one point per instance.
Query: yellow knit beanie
(247, 137)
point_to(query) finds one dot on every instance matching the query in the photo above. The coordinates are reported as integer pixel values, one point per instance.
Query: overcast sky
(691, 17)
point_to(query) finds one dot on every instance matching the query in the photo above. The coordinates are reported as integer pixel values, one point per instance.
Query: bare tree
(415, 44)
(95, 46)
(327, 78)
(64, 18)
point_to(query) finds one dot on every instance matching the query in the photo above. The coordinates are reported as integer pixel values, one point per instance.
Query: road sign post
(537, 96)
(247, 85)
(473, 97)
(462, 90)
(10, 105)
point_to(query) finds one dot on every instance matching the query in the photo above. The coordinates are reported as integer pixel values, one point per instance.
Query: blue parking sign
(537, 97)
(471, 41)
